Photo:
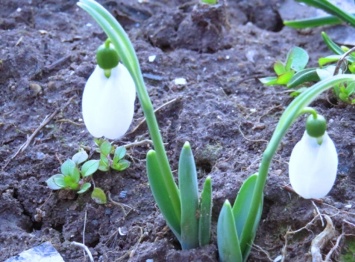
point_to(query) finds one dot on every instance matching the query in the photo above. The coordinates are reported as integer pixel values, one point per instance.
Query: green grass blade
(331, 9)
(303, 76)
(313, 22)
(227, 237)
(331, 45)
(168, 205)
(189, 198)
(204, 232)
(241, 209)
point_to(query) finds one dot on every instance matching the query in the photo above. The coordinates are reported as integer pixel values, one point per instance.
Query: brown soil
(48, 52)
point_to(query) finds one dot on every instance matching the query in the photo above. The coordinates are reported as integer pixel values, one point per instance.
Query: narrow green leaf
(84, 187)
(297, 59)
(350, 89)
(164, 194)
(332, 9)
(90, 167)
(52, 184)
(241, 209)
(227, 237)
(303, 76)
(99, 196)
(329, 59)
(68, 167)
(279, 68)
(313, 22)
(80, 157)
(331, 45)
(105, 148)
(189, 198)
(205, 213)
(268, 81)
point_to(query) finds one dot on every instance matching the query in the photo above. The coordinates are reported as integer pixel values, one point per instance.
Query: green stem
(129, 58)
(286, 120)
(309, 110)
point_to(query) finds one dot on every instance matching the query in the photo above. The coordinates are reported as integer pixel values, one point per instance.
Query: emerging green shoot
(77, 172)
(296, 60)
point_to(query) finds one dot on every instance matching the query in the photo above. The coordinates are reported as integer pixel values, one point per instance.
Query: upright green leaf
(164, 194)
(189, 198)
(205, 213)
(303, 76)
(99, 196)
(297, 59)
(241, 209)
(227, 237)
(68, 167)
(120, 152)
(279, 68)
(80, 157)
(90, 167)
(105, 148)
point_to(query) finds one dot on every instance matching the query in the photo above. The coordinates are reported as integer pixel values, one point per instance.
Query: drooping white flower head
(108, 103)
(313, 167)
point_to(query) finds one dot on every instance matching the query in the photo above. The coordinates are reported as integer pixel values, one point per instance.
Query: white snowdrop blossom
(108, 103)
(313, 167)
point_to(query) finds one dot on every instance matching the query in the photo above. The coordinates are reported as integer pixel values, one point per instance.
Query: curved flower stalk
(313, 166)
(108, 102)
(187, 215)
(253, 188)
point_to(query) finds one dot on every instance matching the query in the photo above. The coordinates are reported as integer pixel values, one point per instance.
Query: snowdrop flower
(108, 102)
(313, 166)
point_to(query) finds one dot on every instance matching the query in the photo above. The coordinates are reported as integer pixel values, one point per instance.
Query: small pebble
(180, 81)
(151, 58)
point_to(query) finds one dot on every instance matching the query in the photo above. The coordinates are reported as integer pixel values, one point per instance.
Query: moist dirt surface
(47, 51)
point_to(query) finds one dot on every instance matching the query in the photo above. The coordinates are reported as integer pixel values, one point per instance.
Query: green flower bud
(316, 127)
(106, 56)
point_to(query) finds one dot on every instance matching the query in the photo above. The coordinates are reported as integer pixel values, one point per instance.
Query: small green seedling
(342, 61)
(106, 161)
(73, 175)
(297, 59)
(77, 171)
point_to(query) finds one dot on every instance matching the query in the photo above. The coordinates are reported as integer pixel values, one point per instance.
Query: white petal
(313, 167)
(108, 103)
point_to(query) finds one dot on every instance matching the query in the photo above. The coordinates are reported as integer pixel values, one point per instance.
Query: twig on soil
(320, 215)
(45, 121)
(330, 253)
(139, 143)
(155, 111)
(348, 222)
(120, 205)
(259, 248)
(342, 59)
(84, 228)
(248, 139)
(283, 251)
(321, 240)
(70, 122)
(86, 249)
